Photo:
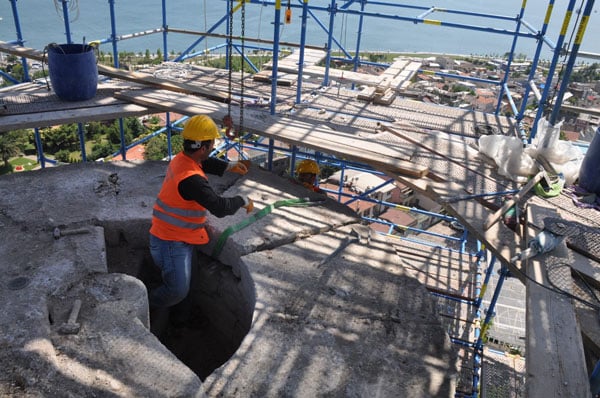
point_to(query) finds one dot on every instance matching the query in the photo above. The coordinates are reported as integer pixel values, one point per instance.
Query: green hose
(297, 202)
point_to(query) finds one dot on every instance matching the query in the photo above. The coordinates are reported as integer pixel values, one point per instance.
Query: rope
(72, 7)
(558, 290)
(297, 202)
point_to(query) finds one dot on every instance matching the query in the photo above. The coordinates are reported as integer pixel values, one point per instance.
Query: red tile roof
(135, 153)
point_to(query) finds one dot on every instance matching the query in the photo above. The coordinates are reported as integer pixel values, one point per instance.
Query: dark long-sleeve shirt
(198, 189)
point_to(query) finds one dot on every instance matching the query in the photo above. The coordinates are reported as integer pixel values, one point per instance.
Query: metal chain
(230, 54)
(241, 126)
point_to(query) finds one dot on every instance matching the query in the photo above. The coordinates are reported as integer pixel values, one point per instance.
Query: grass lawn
(19, 164)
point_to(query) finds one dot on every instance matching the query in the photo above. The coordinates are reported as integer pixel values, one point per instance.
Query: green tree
(133, 126)
(113, 133)
(156, 147)
(63, 155)
(457, 88)
(62, 137)
(95, 131)
(16, 71)
(102, 150)
(12, 143)
(586, 74)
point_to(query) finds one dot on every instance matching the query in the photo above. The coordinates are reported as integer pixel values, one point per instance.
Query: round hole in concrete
(207, 328)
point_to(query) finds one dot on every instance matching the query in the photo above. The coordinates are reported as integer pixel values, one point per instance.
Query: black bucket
(73, 71)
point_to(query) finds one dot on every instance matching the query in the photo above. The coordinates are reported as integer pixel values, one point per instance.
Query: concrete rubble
(301, 302)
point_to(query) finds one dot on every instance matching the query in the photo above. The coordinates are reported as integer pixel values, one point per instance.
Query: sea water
(42, 23)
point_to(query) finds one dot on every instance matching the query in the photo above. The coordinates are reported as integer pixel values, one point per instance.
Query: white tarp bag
(512, 160)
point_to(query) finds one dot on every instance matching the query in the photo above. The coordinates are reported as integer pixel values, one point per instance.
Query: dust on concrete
(352, 325)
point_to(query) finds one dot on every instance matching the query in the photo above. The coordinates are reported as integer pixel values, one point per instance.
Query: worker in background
(179, 215)
(306, 174)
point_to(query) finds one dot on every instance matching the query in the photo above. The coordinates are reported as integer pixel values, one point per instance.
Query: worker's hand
(248, 205)
(238, 167)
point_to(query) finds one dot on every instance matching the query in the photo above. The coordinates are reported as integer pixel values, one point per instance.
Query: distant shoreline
(417, 54)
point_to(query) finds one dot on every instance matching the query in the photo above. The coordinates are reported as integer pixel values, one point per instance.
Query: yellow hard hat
(307, 166)
(200, 128)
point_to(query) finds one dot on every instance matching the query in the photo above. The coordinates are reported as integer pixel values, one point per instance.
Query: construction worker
(306, 174)
(179, 215)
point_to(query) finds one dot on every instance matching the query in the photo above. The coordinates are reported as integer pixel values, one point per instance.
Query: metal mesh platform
(46, 101)
(503, 375)
(579, 237)
(415, 113)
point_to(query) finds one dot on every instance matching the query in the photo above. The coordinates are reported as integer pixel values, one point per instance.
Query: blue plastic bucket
(73, 71)
(589, 173)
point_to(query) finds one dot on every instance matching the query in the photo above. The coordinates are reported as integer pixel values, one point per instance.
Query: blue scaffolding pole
(552, 69)
(571, 61)
(302, 47)
(504, 87)
(17, 21)
(531, 86)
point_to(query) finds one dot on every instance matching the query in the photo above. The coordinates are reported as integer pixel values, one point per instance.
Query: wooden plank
(366, 94)
(136, 77)
(399, 64)
(264, 76)
(290, 65)
(24, 52)
(54, 118)
(582, 264)
(35, 98)
(586, 268)
(387, 98)
(341, 75)
(294, 129)
(460, 161)
(499, 239)
(555, 357)
(284, 129)
(283, 79)
(590, 329)
(311, 57)
(148, 80)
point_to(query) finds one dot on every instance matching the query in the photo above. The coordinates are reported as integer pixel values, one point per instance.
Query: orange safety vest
(173, 217)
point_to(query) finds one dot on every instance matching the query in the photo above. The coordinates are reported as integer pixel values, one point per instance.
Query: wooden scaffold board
(294, 132)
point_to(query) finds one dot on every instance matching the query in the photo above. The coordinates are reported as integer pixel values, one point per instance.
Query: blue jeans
(175, 262)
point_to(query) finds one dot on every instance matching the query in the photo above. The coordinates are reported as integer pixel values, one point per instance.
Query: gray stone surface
(310, 319)
(353, 326)
(113, 354)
